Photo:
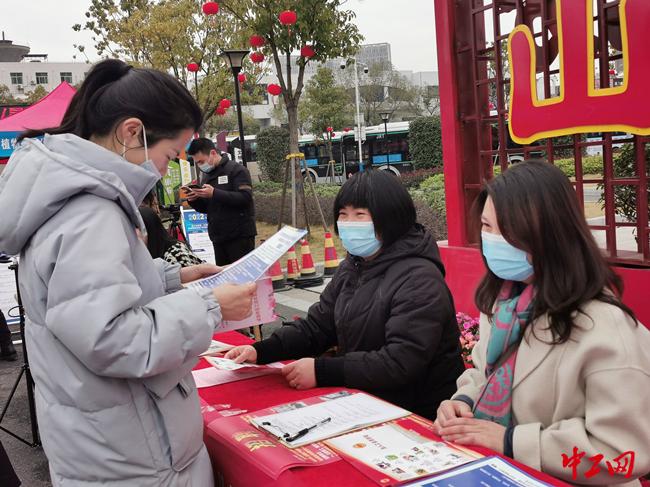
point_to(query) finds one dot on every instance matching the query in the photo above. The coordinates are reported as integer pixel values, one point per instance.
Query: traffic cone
(331, 259)
(277, 276)
(308, 268)
(293, 269)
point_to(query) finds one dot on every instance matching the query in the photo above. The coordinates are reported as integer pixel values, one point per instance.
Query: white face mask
(148, 163)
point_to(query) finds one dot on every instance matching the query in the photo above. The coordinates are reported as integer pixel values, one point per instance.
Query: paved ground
(31, 463)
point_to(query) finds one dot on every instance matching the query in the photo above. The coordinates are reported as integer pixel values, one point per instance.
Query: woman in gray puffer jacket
(111, 334)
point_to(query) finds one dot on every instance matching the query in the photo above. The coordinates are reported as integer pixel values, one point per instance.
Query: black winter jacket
(393, 322)
(231, 212)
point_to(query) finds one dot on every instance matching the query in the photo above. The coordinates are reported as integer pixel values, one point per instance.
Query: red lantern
(257, 57)
(192, 67)
(210, 8)
(256, 41)
(612, 72)
(288, 17)
(274, 89)
(225, 104)
(330, 129)
(242, 78)
(221, 111)
(333, 134)
(307, 51)
(346, 129)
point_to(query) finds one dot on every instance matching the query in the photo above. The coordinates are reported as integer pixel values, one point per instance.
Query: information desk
(261, 392)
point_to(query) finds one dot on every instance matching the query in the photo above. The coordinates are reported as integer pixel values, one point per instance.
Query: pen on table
(304, 431)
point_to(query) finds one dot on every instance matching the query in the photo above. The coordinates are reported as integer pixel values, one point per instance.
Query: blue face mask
(359, 238)
(506, 261)
(206, 168)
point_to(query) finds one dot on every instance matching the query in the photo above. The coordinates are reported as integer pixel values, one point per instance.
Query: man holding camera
(225, 193)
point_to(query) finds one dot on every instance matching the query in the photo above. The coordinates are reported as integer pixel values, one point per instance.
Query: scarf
(512, 312)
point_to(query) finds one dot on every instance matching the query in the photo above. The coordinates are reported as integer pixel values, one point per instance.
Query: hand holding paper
(235, 300)
(242, 353)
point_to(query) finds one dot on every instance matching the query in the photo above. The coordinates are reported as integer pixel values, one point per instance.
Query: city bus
(389, 153)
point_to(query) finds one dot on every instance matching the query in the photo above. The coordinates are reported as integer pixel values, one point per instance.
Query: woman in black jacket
(387, 310)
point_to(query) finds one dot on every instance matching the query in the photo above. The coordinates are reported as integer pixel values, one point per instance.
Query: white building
(23, 77)
(22, 72)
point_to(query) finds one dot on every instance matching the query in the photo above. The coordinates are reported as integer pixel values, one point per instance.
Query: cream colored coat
(592, 392)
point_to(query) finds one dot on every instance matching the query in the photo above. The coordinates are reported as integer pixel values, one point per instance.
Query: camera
(343, 64)
(365, 70)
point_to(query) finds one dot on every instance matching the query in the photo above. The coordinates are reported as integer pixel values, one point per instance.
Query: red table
(270, 390)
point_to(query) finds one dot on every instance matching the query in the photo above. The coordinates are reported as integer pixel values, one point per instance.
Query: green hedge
(272, 150)
(425, 142)
(591, 165)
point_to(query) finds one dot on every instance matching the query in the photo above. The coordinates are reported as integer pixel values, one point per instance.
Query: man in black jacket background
(226, 196)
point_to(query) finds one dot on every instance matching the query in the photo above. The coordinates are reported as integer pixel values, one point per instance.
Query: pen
(304, 431)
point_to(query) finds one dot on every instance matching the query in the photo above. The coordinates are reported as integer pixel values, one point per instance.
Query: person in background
(387, 310)
(7, 350)
(112, 335)
(562, 365)
(163, 246)
(226, 195)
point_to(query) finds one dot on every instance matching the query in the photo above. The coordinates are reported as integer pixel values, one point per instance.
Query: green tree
(325, 105)
(322, 24)
(167, 35)
(272, 148)
(229, 123)
(36, 94)
(425, 142)
(6, 98)
(383, 89)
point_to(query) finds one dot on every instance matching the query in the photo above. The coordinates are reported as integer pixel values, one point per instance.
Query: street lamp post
(385, 116)
(356, 89)
(235, 59)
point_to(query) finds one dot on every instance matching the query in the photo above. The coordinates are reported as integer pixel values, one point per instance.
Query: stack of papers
(333, 418)
(224, 371)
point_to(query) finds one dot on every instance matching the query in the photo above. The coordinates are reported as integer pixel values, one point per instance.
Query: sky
(46, 26)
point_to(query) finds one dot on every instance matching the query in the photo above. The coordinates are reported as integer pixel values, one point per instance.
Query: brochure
(489, 472)
(253, 266)
(398, 454)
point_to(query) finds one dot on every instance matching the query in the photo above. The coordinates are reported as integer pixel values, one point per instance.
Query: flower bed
(468, 327)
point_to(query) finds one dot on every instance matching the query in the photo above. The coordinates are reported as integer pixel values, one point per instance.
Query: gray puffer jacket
(110, 333)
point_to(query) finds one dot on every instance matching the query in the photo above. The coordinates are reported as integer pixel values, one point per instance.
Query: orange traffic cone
(331, 259)
(293, 269)
(308, 268)
(277, 276)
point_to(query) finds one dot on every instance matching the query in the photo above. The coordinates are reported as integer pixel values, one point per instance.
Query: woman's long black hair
(538, 211)
(114, 91)
(158, 240)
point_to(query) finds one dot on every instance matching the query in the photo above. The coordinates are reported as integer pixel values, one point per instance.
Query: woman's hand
(470, 431)
(242, 353)
(449, 410)
(194, 272)
(300, 374)
(235, 300)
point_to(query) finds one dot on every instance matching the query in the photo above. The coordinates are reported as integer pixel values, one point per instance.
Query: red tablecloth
(270, 390)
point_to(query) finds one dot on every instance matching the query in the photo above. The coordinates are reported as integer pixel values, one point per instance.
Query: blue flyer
(488, 472)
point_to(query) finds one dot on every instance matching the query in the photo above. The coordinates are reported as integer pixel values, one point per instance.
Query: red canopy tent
(48, 112)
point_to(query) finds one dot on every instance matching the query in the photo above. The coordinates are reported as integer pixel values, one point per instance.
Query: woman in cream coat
(562, 377)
